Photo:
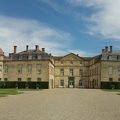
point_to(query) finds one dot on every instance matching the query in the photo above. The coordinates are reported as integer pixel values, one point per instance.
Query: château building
(69, 71)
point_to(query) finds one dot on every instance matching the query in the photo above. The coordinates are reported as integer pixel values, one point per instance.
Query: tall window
(62, 63)
(61, 83)
(0, 79)
(97, 71)
(81, 72)
(71, 62)
(0, 71)
(97, 82)
(81, 63)
(110, 70)
(71, 72)
(61, 72)
(92, 71)
(38, 68)
(81, 83)
(0, 66)
(90, 83)
(19, 68)
(6, 69)
(29, 68)
(118, 70)
(118, 79)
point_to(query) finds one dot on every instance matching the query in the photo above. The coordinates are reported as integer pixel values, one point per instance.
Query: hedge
(11, 84)
(107, 85)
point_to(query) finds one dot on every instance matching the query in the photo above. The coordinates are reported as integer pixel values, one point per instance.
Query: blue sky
(60, 26)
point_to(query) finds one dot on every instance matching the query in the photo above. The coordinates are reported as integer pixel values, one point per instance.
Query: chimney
(43, 49)
(27, 47)
(15, 49)
(110, 49)
(102, 51)
(106, 49)
(10, 55)
(36, 47)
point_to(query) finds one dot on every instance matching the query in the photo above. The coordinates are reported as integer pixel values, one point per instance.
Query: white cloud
(23, 32)
(82, 53)
(53, 4)
(105, 20)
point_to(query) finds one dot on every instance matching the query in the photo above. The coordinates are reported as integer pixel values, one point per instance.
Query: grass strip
(5, 92)
(112, 90)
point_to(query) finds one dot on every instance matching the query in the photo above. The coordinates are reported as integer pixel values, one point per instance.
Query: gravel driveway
(61, 104)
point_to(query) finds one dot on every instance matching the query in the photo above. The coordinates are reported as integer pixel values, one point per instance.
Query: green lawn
(5, 92)
(114, 90)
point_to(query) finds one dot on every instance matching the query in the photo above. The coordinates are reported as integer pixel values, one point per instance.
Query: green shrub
(107, 85)
(22, 84)
(3, 85)
(112, 86)
(26, 85)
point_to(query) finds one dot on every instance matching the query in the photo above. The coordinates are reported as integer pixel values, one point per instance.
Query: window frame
(61, 83)
(61, 72)
(39, 68)
(29, 68)
(6, 69)
(71, 72)
(20, 69)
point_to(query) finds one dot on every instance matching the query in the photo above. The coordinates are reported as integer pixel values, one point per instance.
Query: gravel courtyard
(61, 104)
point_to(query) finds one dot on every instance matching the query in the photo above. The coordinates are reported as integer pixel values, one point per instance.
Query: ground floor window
(81, 83)
(5, 79)
(110, 79)
(19, 79)
(28, 79)
(38, 79)
(90, 83)
(118, 79)
(0, 79)
(61, 83)
(97, 82)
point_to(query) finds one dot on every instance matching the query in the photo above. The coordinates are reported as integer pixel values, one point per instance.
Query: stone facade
(69, 71)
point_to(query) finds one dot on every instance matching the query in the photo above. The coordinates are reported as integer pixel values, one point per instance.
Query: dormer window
(24, 57)
(39, 56)
(34, 57)
(20, 57)
(110, 57)
(114, 57)
(30, 57)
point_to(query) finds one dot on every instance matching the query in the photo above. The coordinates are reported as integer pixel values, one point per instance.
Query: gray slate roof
(31, 54)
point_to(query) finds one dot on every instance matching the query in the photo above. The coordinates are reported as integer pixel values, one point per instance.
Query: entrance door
(71, 83)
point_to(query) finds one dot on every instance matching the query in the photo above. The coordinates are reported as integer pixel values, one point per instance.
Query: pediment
(71, 57)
